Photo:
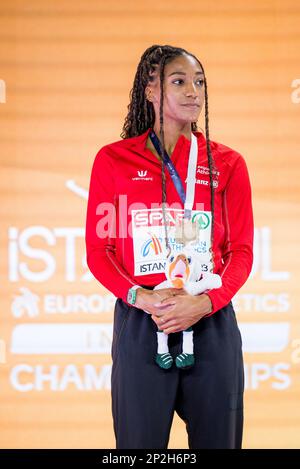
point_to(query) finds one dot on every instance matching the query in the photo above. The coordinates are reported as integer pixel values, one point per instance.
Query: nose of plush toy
(179, 268)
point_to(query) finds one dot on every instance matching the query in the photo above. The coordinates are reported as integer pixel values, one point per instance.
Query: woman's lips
(191, 105)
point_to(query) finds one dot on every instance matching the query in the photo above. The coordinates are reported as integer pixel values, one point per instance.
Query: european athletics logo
(151, 244)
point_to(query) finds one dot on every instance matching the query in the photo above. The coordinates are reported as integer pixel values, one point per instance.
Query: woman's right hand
(146, 299)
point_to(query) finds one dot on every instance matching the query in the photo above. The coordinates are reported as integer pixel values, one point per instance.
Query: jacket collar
(140, 140)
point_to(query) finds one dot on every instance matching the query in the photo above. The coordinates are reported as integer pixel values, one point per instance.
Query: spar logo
(152, 245)
(203, 220)
(154, 217)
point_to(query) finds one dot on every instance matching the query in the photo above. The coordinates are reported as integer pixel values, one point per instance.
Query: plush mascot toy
(183, 270)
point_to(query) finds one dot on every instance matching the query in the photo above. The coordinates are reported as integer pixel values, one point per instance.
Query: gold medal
(186, 231)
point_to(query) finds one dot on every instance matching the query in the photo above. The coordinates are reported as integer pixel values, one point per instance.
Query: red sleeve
(237, 252)
(100, 229)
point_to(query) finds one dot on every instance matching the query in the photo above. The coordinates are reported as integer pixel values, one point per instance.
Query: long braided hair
(141, 115)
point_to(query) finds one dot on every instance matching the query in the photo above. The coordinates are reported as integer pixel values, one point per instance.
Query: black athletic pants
(208, 396)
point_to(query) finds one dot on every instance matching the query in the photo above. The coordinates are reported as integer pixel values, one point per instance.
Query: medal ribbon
(188, 198)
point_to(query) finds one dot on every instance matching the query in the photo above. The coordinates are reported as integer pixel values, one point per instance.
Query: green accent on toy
(164, 360)
(185, 360)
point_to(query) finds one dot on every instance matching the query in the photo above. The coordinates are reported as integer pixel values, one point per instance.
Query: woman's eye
(189, 259)
(179, 82)
(171, 258)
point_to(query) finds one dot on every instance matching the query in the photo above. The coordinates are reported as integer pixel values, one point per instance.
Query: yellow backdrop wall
(66, 68)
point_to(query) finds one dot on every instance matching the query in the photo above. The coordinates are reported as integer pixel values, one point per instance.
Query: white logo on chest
(142, 176)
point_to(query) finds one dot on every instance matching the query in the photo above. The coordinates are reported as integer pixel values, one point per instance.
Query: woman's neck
(172, 133)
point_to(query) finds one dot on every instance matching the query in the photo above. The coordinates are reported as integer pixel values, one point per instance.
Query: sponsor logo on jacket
(142, 176)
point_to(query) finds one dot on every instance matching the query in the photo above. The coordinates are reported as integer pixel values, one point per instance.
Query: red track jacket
(124, 215)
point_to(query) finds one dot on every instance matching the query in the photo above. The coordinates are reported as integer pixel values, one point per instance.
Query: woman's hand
(179, 312)
(147, 299)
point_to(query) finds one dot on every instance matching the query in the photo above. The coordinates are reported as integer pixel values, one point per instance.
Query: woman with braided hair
(165, 175)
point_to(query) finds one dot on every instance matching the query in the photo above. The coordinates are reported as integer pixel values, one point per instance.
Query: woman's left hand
(179, 312)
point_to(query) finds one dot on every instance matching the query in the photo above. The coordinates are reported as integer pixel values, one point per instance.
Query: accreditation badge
(148, 237)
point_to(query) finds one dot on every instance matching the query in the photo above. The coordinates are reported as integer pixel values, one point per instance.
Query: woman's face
(183, 90)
